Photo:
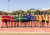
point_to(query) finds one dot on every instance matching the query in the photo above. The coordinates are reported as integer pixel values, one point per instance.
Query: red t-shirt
(11, 18)
(6, 17)
(3, 17)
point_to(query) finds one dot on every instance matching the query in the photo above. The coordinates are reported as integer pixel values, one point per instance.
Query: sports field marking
(25, 32)
(35, 30)
(41, 30)
(38, 30)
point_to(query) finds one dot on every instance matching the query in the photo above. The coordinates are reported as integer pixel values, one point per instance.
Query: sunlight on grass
(0, 18)
(23, 34)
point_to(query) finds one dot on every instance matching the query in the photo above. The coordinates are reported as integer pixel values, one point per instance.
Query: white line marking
(25, 32)
(41, 30)
(35, 29)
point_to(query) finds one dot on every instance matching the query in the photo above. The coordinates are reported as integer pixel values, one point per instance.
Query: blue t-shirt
(31, 18)
(34, 18)
(28, 14)
(26, 18)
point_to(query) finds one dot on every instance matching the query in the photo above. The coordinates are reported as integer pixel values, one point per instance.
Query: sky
(23, 4)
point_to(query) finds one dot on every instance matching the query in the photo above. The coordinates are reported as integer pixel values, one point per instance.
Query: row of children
(26, 20)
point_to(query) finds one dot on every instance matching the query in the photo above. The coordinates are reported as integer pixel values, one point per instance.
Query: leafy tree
(36, 12)
(28, 11)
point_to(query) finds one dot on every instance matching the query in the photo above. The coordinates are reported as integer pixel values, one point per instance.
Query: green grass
(0, 18)
(23, 34)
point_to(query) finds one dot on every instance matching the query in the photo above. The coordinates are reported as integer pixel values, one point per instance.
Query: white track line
(35, 30)
(25, 32)
(41, 30)
(38, 30)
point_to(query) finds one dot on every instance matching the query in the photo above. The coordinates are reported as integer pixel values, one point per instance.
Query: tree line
(28, 11)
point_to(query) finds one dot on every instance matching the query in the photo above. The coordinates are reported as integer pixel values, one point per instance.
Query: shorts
(43, 20)
(37, 20)
(34, 20)
(29, 20)
(26, 21)
(14, 20)
(23, 21)
(8, 20)
(47, 21)
(17, 20)
(20, 21)
(11, 21)
(5, 21)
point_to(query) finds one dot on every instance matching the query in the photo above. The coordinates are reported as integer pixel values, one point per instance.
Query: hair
(2, 13)
(17, 13)
(6, 14)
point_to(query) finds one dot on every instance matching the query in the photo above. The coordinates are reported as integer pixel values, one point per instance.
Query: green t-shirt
(23, 17)
(14, 18)
(20, 18)
(17, 17)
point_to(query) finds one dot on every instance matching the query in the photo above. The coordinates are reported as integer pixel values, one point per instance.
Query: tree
(3, 12)
(42, 12)
(28, 11)
(48, 11)
(21, 11)
(36, 12)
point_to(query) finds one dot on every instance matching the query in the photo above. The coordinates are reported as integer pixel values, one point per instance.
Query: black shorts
(5, 21)
(17, 20)
(43, 20)
(47, 21)
(26, 21)
(29, 20)
(23, 20)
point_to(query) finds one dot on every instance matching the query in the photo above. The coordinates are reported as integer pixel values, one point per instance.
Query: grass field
(23, 34)
(0, 18)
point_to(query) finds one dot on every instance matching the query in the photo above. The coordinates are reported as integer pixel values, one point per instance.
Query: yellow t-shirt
(37, 17)
(40, 18)
(43, 17)
(47, 18)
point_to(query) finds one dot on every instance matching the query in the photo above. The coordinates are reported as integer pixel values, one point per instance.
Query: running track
(25, 29)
